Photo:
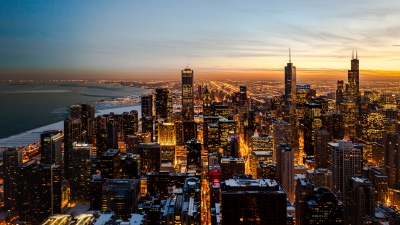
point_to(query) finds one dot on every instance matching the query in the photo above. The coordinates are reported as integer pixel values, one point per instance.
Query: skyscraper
(130, 123)
(147, 105)
(346, 161)
(290, 82)
(248, 201)
(72, 132)
(121, 196)
(391, 148)
(360, 200)
(304, 191)
(339, 92)
(80, 171)
(207, 111)
(12, 159)
(88, 119)
(187, 94)
(163, 104)
(285, 169)
(323, 208)
(312, 123)
(321, 138)
(51, 147)
(290, 92)
(353, 80)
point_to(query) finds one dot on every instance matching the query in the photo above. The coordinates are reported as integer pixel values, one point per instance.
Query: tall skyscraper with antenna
(353, 80)
(187, 94)
(290, 82)
(290, 113)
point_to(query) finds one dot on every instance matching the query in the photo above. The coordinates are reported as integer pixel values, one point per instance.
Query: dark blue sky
(128, 38)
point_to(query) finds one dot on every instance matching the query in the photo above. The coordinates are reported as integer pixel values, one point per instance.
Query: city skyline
(132, 40)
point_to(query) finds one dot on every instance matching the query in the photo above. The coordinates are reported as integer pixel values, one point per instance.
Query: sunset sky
(217, 39)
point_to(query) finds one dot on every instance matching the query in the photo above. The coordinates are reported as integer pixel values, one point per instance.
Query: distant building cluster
(216, 154)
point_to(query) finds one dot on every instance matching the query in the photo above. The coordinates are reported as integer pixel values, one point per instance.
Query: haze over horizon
(218, 40)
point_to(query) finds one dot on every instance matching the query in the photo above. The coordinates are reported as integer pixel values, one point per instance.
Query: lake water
(27, 105)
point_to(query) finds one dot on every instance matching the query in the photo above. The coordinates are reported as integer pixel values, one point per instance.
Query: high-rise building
(51, 147)
(150, 157)
(285, 169)
(227, 129)
(88, 120)
(167, 140)
(231, 166)
(23, 185)
(147, 105)
(346, 162)
(193, 152)
(379, 182)
(333, 123)
(12, 159)
(189, 128)
(242, 94)
(290, 82)
(249, 201)
(101, 142)
(353, 81)
(187, 94)
(132, 144)
(321, 139)
(391, 147)
(339, 92)
(257, 158)
(323, 208)
(80, 171)
(304, 191)
(72, 132)
(111, 164)
(282, 134)
(320, 177)
(130, 123)
(207, 110)
(129, 165)
(161, 103)
(211, 137)
(42, 195)
(312, 123)
(373, 124)
(121, 196)
(290, 114)
(360, 200)
(266, 171)
(349, 111)
(179, 133)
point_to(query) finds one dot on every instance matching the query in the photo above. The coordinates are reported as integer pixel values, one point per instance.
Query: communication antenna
(290, 57)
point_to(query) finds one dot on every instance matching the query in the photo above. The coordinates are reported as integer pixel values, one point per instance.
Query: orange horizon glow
(303, 74)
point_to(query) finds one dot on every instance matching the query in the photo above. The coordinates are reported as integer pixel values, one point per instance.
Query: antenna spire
(352, 55)
(290, 57)
(356, 54)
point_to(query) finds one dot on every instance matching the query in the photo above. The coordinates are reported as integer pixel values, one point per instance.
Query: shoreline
(33, 136)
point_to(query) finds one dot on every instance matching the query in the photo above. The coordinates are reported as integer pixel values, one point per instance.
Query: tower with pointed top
(290, 83)
(353, 80)
(290, 104)
(187, 94)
